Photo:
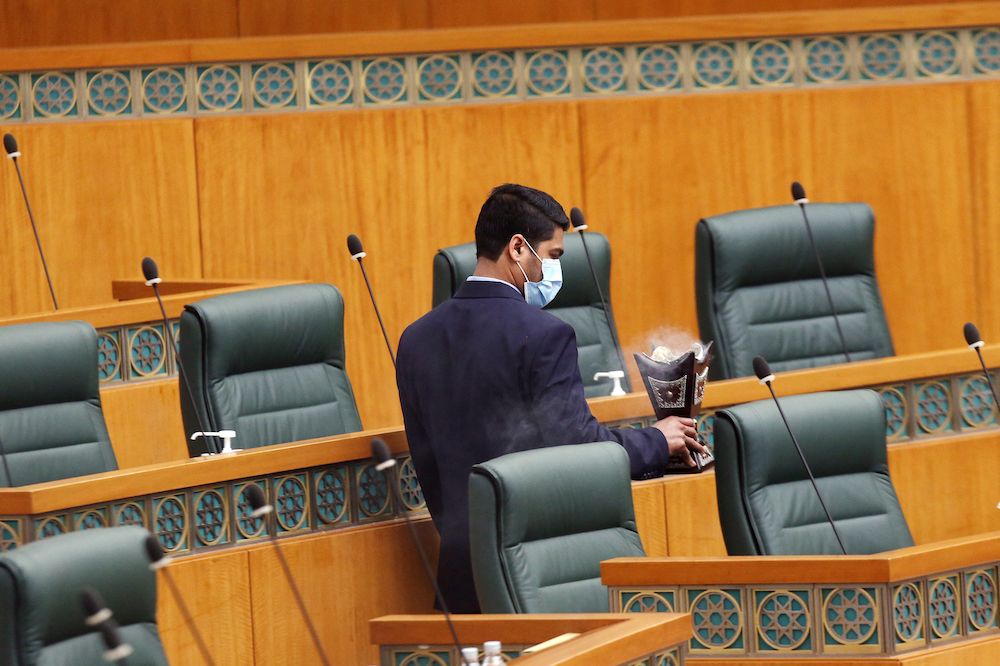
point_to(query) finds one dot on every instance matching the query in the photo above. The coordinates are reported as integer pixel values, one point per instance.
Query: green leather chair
(542, 521)
(578, 302)
(767, 505)
(267, 363)
(51, 423)
(759, 292)
(41, 620)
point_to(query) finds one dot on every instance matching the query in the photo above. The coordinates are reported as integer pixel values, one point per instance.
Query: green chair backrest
(51, 423)
(542, 521)
(759, 292)
(267, 363)
(767, 505)
(41, 619)
(578, 302)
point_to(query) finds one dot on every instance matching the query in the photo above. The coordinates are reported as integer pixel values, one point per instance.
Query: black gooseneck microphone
(158, 561)
(799, 195)
(151, 272)
(357, 254)
(100, 616)
(576, 217)
(381, 453)
(975, 342)
(763, 372)
(94, 607)
(116, 649)
(261, 508)
(10, 145)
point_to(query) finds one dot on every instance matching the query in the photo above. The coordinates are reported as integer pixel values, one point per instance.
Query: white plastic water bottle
(491, 652)
(471, 656)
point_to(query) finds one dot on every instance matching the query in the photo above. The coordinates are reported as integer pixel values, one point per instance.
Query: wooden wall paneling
(652, 167)
(281, 193)
(216, 590)
(639, 9)
(650, 516)
(905, 151)
(474, 149)
(946, 491)
(25, 23)
(144, 422)
(984, 147)
(456, 13)
(285, 17)
(692, 510)
(346, 578)
(104, 196)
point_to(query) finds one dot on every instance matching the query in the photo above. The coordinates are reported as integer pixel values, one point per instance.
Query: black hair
(515, 209)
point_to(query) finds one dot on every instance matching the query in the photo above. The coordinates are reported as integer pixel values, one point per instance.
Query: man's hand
(682, 437)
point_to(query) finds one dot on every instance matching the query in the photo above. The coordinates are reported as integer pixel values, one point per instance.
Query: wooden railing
(816, 606)
(773, 24)
(601, 639)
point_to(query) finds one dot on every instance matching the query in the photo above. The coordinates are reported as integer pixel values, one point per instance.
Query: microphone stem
(188, 620)
(299, 601)
(604, 304)
(213, 444)
(393, 480)
(996, 403)
(802, 457)
(826, 286)
(34, 229)
(384, 335)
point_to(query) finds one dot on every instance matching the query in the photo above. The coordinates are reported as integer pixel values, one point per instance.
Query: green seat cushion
(759, 292)
(767, 505)
(541, 523)
(269, 364)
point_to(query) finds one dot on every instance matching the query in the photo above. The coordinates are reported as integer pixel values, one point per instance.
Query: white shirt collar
(483, 278)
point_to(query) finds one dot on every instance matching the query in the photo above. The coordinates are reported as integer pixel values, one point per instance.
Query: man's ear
(514, 247)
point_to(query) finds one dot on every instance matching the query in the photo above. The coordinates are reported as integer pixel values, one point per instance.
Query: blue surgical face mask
(543, 292)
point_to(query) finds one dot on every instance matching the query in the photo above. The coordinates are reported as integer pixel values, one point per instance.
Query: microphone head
(9, 143)
(92, 601)
(380, 450)
(153, 549)
(798, 192)
(354, 245)
(149, 269)
(760, 367)
(971, 333)
(576, 217)
(255, 496)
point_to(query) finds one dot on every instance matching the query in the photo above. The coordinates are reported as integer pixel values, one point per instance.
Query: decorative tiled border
(217, 516)
(500, 75)
(820, 620)
(135, 352)
(914, 409)
(447, 655)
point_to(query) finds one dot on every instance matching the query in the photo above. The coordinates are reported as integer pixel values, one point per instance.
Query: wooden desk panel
(604, 639)
(911, 600)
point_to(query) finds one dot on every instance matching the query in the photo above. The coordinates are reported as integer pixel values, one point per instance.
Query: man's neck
(496, 270)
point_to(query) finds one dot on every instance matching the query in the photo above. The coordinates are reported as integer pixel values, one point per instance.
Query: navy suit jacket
(482, 375)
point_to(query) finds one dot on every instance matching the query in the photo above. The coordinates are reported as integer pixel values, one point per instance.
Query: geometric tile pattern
(198, 519)
(135, 351)
(818, 620)
(913, 410)
(446, 655)
(501, 75)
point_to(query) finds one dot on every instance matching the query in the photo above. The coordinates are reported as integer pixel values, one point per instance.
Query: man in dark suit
(488, 372)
